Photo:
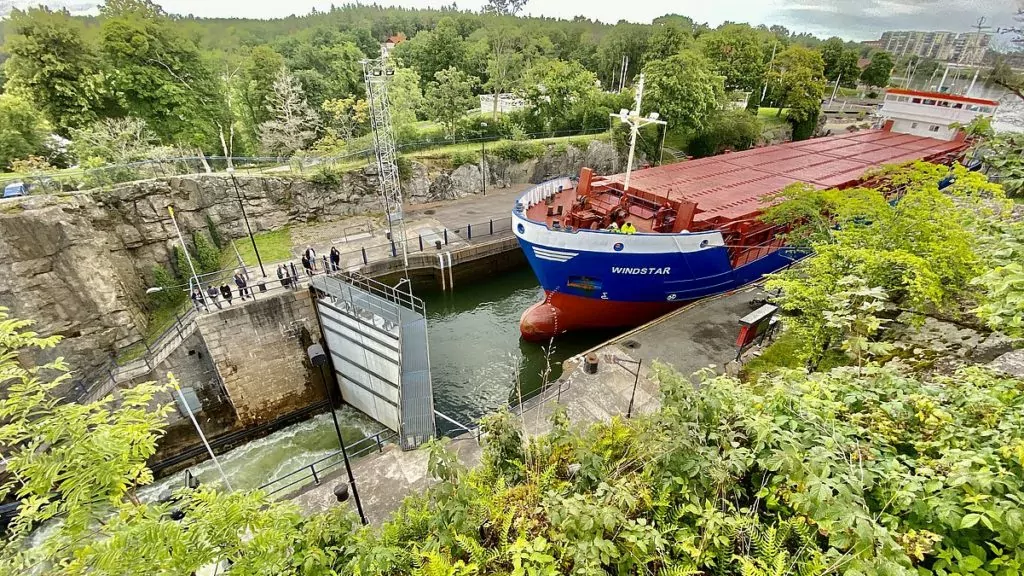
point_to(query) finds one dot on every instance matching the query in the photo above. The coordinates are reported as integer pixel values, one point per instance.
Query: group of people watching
(285, 274)
(214, 293)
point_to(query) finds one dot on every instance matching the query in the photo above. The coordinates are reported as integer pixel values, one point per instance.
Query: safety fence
(359, 154)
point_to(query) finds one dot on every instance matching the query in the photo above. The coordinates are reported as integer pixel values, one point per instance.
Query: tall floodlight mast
(377, 73)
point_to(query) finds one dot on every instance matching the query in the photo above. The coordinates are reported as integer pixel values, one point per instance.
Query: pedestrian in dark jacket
(282, 275)
(335, 259)
(306, 265)
(211, 295)
(225, 291)
(243, 286)
(197, 299)
(310, 255)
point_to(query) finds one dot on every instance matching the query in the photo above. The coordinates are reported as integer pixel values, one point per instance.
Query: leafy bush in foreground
(866, 470)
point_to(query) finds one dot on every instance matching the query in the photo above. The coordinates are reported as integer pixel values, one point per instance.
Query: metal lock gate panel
(377, 340)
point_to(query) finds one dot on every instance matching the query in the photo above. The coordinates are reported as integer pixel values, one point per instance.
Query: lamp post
(483, 159)
(319, 359)
(238, 194)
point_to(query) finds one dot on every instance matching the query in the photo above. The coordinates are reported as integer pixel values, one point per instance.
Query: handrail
(379, 439)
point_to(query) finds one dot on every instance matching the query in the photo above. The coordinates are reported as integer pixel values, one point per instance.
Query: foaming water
(476, 359)
(260, 461)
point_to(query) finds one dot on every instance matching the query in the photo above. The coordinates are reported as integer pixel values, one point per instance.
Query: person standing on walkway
(335, 258)
(225, 291)
(306, 264)
(243, 286)
(211, 293)
(282, 275)
(197, 299)
(310, 255)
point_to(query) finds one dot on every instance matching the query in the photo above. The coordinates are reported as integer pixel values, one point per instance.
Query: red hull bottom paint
(560, 313)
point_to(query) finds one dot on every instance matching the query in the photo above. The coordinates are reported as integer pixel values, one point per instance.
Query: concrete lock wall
(259, 351)
(196, 373)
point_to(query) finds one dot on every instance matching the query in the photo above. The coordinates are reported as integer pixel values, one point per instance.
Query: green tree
(624, 39)
(505, 62)
(668, 39)
(684, 90)
(326, 64)
(259, 69)
(114, 141)
(449, 96)
(207, 256)
(556, 90)
(405, 96)
(1004, 75)
(23, 131)
(736, 52)
(293, 123)
(432, 51)
(157, 74)
(51, 61)
(840, 63)
(878, 71)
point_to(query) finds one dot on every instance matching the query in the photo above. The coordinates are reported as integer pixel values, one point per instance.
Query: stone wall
(260, 353)
(79, 264)
(194, 369)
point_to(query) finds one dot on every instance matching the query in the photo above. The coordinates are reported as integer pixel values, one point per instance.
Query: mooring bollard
(590, 363)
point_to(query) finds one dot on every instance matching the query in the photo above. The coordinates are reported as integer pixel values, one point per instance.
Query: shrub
(326, 176)
(171, 293)
(215, 235)
(207, 257)
(736, 130)
(804, 130)
(517, 151)
(458, 158)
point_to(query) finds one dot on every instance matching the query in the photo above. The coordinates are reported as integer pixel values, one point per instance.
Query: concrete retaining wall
(259, 350)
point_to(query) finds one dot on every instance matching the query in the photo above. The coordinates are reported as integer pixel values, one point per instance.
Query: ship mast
(635, 121)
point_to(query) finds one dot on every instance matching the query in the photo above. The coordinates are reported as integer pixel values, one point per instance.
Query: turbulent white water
(260, 461)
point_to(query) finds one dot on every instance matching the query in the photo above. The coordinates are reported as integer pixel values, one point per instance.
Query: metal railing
(318, 470)
(143, 357)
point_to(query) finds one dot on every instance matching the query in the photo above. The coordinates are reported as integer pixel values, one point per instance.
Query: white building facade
(931, 113)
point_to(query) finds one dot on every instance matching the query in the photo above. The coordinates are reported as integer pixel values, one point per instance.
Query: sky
(849, 19)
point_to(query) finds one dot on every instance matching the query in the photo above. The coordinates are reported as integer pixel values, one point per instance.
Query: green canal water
(478, 364)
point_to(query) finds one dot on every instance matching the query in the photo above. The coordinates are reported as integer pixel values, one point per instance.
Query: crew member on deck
(613, 227)
(628, 228)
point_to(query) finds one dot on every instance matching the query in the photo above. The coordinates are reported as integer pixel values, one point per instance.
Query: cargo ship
(697, 231)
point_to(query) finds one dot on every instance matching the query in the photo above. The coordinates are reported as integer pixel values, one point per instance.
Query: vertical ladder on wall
(377, 74)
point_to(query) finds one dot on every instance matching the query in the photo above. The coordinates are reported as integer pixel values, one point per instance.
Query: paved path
(689, 339)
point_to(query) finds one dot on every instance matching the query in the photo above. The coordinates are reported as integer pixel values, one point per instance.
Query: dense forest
(137, 83)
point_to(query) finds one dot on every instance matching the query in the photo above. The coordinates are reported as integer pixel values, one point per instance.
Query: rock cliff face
(79, 264)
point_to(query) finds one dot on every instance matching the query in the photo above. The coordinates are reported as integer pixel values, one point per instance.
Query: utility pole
(231, 172)
(836, 89)
(770, 63)
(635, 121)
(184, 248)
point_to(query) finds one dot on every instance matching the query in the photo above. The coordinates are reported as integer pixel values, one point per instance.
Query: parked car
(15, 189)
